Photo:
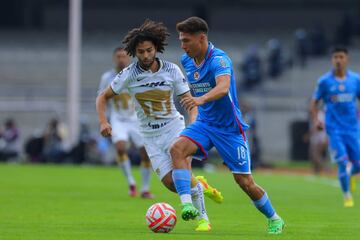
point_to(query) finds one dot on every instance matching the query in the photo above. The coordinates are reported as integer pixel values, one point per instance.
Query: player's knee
(245, 182)
(168, 182)
(177, 150)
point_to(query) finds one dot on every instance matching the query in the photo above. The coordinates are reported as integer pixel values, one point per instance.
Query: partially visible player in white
(152, 82)
(126, 126)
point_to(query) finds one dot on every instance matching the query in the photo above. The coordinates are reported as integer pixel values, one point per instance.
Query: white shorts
(158, 147)
(125, 131)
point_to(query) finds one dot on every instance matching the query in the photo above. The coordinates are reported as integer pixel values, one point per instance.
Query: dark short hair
(155, 32)
(338, 49)
(193, 25)
(118, 49)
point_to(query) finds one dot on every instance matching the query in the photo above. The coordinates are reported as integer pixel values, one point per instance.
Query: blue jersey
(224, 112)
(340, 98)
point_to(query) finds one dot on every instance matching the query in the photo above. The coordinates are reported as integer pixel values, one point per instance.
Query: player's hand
(189, 102)
(105, 129)
(319, 124)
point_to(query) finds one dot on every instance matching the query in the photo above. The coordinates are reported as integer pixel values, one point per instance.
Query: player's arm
(314, 112)
(192, 113)
(101, 105)
(314, 105)
(219, 91)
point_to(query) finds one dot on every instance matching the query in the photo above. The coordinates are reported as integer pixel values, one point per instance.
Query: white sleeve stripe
(222, 74)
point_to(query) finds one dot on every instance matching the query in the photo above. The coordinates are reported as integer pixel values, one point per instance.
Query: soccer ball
(161, 218)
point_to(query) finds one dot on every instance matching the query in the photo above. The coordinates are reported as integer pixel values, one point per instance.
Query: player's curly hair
(156, 32)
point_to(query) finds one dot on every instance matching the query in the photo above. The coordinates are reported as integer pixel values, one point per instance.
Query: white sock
(185, 198)
(145, 179)
(126, 168)
(275, 217)
(348, 195)
(197, 197)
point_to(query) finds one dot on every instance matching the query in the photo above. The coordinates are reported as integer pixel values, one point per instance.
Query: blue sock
(182, 182)
(343, 176)
(355, 169)
(264, 206)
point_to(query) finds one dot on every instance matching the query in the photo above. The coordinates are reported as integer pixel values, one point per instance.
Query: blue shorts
(229, 142)
(344, 147)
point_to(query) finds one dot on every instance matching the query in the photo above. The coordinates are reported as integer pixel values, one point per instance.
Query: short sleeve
(120, 82)
(221, 65)
(180, 84)
(319, 90)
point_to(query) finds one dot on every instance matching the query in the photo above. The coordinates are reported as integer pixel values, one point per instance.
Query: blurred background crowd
(279, 50)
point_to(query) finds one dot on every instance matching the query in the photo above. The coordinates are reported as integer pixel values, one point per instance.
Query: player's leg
(145, 168)
(353, 149)
(261, 201)
(187, 145)
(339, 156)
(145, 165)
(124, 164)
(197, 197)
(236, 155)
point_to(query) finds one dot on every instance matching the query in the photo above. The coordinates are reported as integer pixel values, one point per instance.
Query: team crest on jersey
(196, 75)
(342, 87)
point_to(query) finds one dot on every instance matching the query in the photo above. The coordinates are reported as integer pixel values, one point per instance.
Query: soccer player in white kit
(126, 126)
(152, 83)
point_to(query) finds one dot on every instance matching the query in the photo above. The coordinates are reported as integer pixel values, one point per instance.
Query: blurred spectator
(251, 68)
(86, 151)
(275, 58)
(319, 46)
(34, 148)
(318, 146)
(9, 141)
(301, 47)
(53, 150)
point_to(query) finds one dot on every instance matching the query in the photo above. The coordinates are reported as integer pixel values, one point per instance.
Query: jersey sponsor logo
(157, 125)
(341, 98)
(154, 84)
(196, 75)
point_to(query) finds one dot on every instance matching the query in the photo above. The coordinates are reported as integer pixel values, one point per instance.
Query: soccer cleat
(132, 191)
(209, 191)
(189, 211)
(147, 195)
(352, 184)
(348, 202)
(203, 226)
(276, 226)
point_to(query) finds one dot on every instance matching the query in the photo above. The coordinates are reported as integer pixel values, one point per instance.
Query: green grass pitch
(68, 202)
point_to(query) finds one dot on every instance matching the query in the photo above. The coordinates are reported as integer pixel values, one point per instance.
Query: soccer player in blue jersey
(339, 89)
(219, 122)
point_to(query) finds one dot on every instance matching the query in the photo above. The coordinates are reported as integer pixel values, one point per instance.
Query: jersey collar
(207, 56)
(161, 64)
(338, 80)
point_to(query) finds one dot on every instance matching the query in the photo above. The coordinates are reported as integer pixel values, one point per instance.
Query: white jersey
(122, 107)
(153, 93)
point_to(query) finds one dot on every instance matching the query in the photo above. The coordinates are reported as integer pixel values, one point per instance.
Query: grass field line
(323, 181)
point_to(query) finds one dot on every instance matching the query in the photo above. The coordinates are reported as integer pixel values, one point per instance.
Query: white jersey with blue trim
(122, 106)
(153, 93)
